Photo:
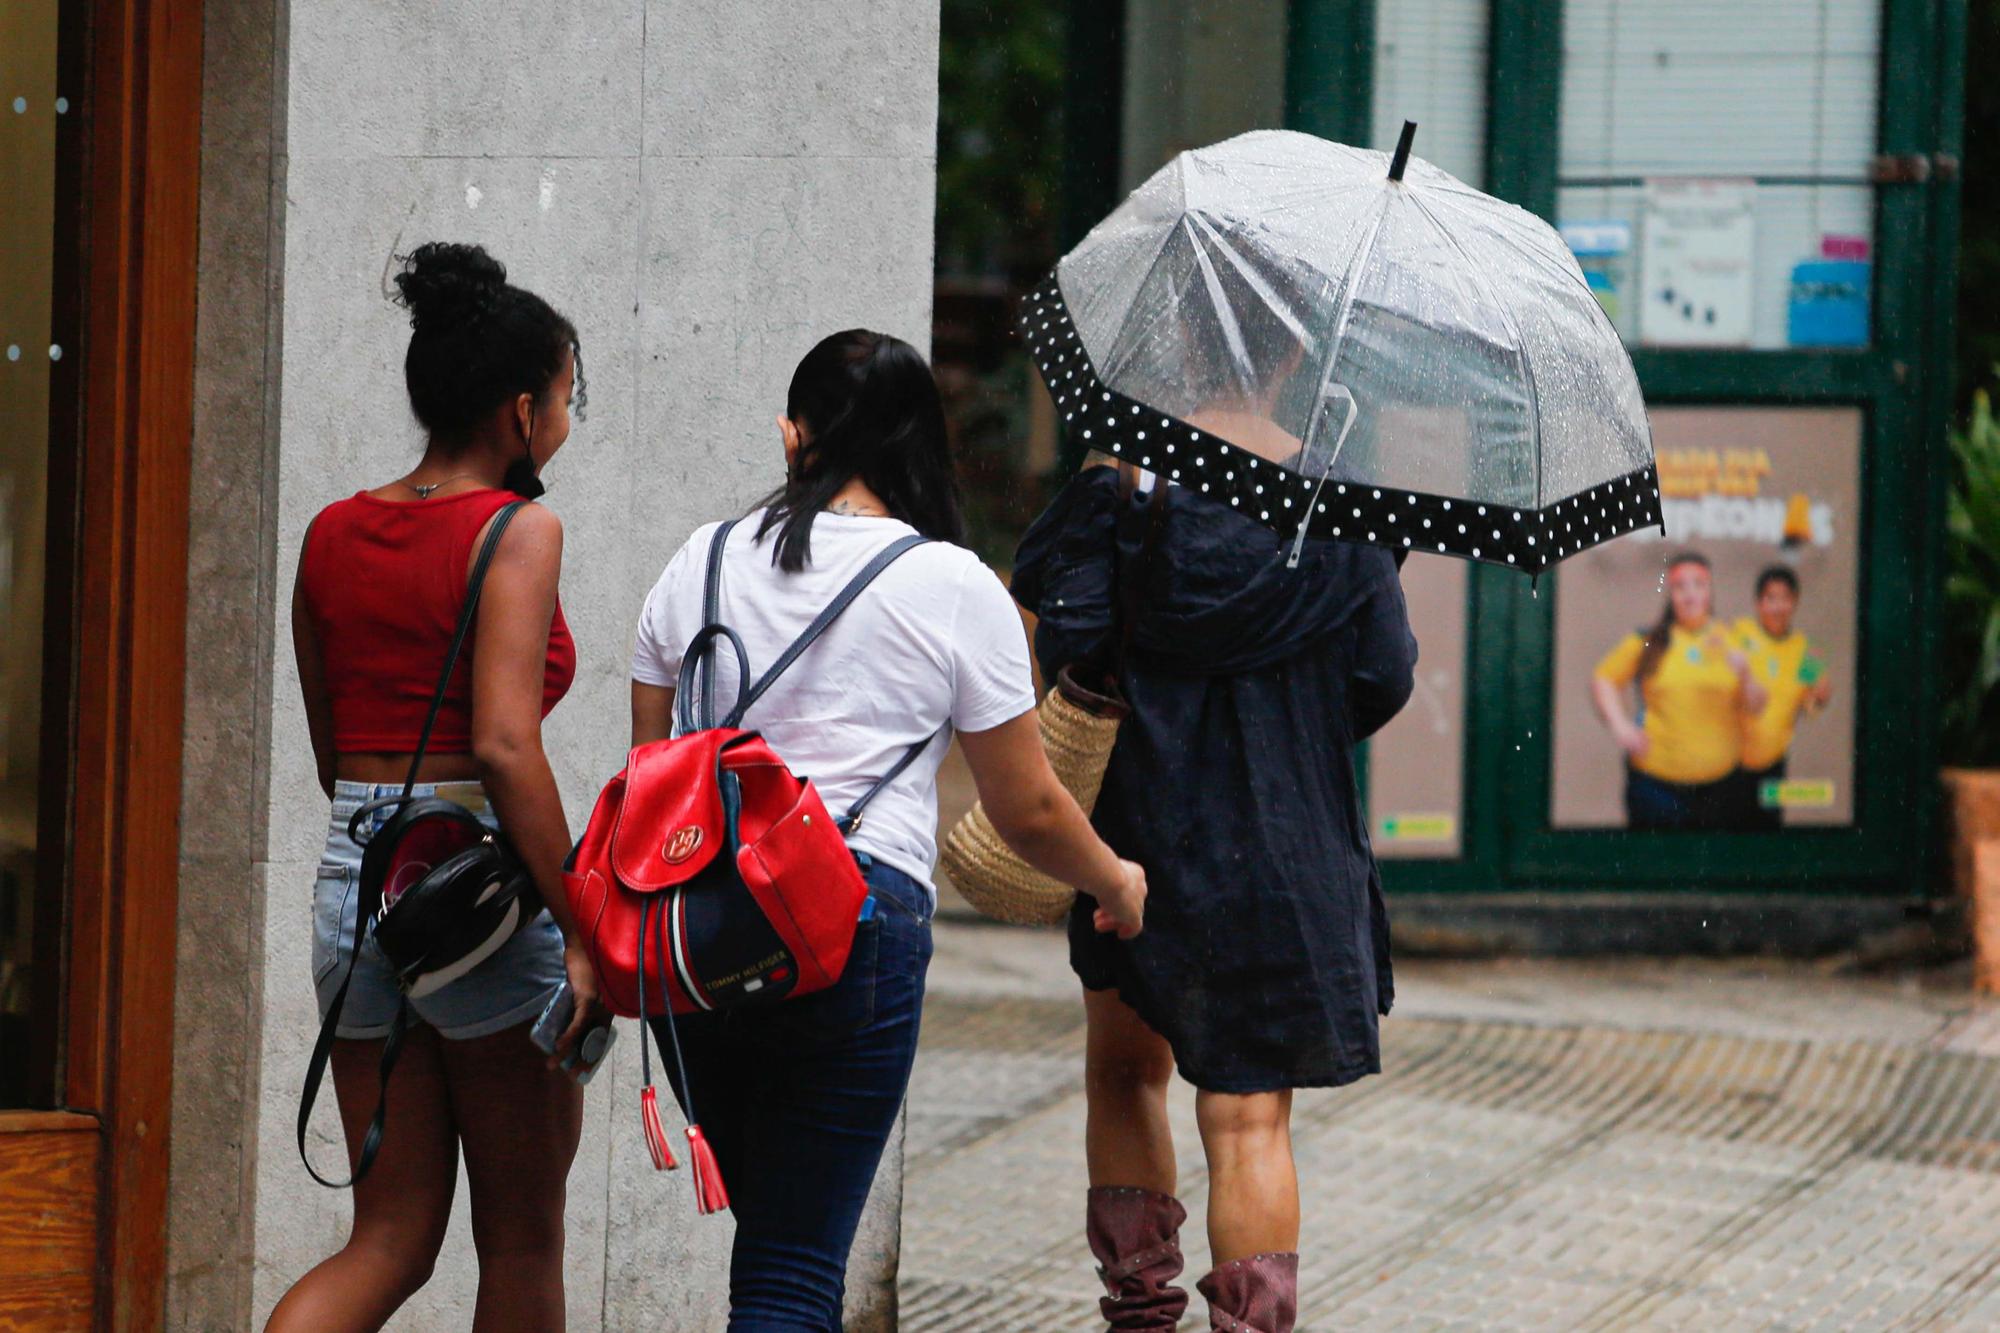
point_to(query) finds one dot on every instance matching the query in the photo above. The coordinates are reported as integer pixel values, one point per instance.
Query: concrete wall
(705, 190)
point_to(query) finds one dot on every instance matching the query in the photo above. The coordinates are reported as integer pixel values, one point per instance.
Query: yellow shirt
(1780, 667)
(1693, 725)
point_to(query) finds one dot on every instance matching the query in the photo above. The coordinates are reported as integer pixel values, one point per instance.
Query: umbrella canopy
(1367, 349)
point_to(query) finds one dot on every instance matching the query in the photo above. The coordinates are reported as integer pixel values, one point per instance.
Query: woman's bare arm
(652, 713)
(1754, 695)
(1037, 817)
(312, 681)
(1606, 696)
(516, 606)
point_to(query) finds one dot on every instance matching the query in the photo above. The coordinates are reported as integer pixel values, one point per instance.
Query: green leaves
(1972, 591)
(1000, 137)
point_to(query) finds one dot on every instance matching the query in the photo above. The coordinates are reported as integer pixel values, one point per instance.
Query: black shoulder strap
(852, 819)
(392, 1047)
(329, 1027)
(711, 612)
(855, 586)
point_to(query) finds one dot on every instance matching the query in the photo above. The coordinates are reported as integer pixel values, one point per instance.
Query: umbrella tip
(1402, 157)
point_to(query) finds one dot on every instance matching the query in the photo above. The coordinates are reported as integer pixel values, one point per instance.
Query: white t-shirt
(934, 641)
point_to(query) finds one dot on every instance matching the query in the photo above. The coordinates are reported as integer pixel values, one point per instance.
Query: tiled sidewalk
(1553, 1146)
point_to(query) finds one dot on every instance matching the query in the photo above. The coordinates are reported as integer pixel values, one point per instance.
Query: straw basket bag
(1079, 727)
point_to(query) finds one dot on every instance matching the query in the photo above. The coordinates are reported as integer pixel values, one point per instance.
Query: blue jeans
(1653, 804)
(798, 1102)
(1748, 812)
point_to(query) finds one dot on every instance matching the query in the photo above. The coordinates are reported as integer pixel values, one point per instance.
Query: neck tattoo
(849, 509)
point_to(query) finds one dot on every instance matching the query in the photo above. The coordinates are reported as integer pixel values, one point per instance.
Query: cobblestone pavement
(1552, 1146)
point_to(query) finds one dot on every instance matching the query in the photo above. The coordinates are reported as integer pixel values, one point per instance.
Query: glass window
(999, 204)
(1714, 174)
(1194, 72)
(1416, 764)
(1430, 67)
(28, 112)
(1657, 638)
(1197, 72)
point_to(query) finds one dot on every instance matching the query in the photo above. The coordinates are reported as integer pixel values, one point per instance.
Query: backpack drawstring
(649, 1097)
(710, 1195)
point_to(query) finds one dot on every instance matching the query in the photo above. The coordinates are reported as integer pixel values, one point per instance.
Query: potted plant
(1971, 714)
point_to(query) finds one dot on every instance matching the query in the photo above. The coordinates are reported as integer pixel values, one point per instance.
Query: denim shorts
(508, 989)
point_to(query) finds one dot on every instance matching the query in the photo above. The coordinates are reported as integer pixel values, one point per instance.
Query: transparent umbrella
(1361, 346)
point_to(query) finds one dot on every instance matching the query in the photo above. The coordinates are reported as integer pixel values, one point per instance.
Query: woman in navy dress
(1265, 959)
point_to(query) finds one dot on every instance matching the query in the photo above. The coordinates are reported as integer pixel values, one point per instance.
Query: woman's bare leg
(1253, 1188)
(401, 1207)
(1126, 1068)
(519, 1122)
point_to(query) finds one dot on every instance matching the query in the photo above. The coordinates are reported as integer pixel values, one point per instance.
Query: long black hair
(476, 342)
(869, 408)
(1661, 633)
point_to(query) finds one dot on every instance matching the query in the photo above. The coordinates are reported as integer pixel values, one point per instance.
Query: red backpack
(709, 875)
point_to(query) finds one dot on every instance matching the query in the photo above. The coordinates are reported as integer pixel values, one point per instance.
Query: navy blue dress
(1265, 957)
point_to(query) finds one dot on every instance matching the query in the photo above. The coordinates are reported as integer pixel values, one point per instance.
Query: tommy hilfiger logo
(682, 843)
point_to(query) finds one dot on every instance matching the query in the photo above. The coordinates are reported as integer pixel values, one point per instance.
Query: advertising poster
(1603, 250)
(1697, 263)
(1705, 679)
(1416, 764)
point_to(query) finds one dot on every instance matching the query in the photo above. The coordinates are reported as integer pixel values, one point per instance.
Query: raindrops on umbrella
(1337, 341)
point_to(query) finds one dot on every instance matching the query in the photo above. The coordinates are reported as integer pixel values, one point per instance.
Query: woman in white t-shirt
(798, 1100)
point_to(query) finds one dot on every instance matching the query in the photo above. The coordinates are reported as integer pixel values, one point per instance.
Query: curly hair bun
(444, 283)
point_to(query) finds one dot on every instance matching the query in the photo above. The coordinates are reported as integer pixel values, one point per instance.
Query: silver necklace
(424, 492)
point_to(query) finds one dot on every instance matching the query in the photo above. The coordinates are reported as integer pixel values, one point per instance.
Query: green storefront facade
(1798, 161)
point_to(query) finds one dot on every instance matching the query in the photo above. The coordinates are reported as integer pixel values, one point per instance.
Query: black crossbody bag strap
(322, 1051)
(711, 609)
(467, 614)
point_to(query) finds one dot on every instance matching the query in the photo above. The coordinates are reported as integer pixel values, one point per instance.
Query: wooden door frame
(129, 224)
(138, 423)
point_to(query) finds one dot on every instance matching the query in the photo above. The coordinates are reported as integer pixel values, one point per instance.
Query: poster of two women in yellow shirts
(1717, 706)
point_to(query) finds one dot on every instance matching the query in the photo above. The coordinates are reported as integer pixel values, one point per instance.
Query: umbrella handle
(1402, 157)
(1343, 394)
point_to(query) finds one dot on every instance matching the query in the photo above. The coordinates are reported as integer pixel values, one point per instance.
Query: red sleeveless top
(383, 583)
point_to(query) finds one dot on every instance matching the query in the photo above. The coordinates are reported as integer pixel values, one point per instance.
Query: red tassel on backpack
(656, 1133)
(709, 1194)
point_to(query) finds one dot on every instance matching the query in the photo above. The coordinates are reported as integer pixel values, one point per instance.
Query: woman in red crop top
(492, 373)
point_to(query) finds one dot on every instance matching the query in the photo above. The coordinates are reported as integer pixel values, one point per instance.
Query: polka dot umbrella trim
(1526, 539)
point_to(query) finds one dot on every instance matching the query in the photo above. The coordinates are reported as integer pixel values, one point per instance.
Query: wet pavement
(1553, 1145)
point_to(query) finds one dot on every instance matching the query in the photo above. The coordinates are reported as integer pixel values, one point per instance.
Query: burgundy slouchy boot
(1135, 1234)
(1255, 1295)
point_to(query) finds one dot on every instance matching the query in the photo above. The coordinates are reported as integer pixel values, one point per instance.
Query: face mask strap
(521, 478)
